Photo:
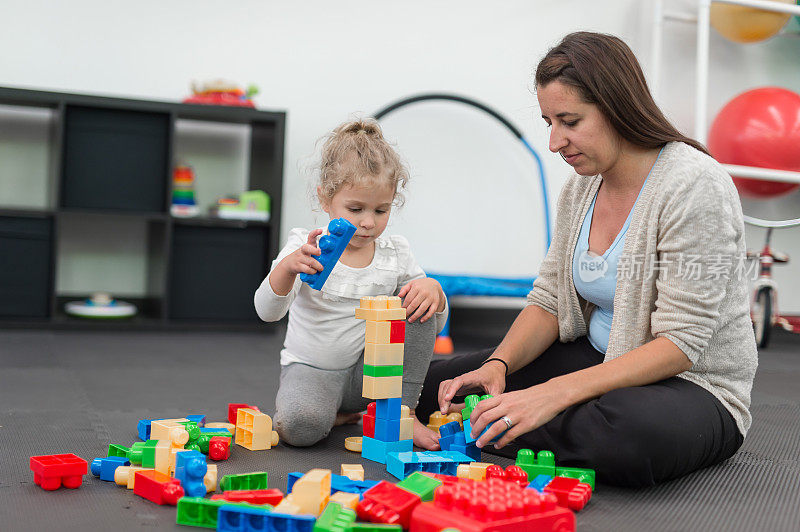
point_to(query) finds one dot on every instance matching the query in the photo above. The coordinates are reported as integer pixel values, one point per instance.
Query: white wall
(323, 61)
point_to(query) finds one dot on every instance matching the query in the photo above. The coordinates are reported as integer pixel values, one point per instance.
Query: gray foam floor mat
(79, 391)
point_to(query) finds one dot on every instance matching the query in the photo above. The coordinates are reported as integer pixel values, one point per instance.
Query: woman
(635, 355)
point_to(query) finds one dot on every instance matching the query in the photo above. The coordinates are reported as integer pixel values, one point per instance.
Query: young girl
(322, 361)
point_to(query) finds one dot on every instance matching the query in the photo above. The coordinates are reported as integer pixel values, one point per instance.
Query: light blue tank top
(595, 276)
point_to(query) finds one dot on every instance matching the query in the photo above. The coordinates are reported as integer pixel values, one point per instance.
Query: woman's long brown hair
(605, 72)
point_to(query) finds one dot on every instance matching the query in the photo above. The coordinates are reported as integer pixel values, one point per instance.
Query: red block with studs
(387, 503)
(157, 487)
(234, 407)
(570, 492)
(52, 471)
(272, 496)
(219, 448)
(494, 505)
(368, 421)
(512, 473)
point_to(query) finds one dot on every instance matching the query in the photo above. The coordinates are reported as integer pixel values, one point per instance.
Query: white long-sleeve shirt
(322, 330)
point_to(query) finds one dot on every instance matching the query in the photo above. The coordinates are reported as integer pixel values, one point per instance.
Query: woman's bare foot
(425, 437)
(347, 419)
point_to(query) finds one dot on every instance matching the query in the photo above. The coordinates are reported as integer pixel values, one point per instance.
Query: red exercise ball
(760, 127)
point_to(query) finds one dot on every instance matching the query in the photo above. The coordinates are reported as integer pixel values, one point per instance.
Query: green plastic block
(421, 484)
(118, 450)
(246, 481)
(136, 453)
(149, 454)
(335, 518)
(383, 371)
(584, 475)
(372, 527)
(197, 511)
(205, 439)
(471, 401)
(544, 464)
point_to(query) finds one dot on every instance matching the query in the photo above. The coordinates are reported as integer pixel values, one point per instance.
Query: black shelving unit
(112, 158)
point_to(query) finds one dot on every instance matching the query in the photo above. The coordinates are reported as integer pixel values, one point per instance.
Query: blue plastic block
(441, 462)
(461, 446)
(143, 428)
(468, 431)
(291, 523)
(540, 482)
(200, 419)
(332, 246)
(338, 483)
(447, 434)
(190, 468)
(388, 408)
(216, 431)
(387, 429)
(105, 467)
(376, 450)
(241, 518)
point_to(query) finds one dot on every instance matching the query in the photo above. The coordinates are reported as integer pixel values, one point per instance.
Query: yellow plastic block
(312, 491)
(125, 475)
(163, 453)
(353, 471)
(437, 419)
(383, 354)
(210, 480)
(353, 443)
(389, 314)
(347, 500)
(472, 471)
(172, 453)
(407, 428)
(169, 430)
(380, 302)
(382, 387)
(218, 425)
(254, 430)
(287, 506)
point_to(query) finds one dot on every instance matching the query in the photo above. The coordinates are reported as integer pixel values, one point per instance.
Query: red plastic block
(512, 473)
(233, 407)
(494, 505)
(219, 448)
(54, 470)
(273, 496)
(157, 487)
(397, 332)
(368, 420)
(388, 503)
(570, 492)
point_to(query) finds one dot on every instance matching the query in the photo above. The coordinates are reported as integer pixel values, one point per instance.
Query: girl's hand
(422, 298)
(302, 260)
(489, 378)
(527, 409)
(425, 437)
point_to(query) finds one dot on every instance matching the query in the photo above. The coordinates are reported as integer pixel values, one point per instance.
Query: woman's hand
(527, 409)
(489, 378)
(422, 298)
(303, 260)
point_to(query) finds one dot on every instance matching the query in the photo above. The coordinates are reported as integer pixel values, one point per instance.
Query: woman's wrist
(497, 361)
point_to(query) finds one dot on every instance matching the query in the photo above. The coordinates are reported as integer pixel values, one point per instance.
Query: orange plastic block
(312, 491)
(382, 387)
(347, 500)
(383, 354)
(254, 430)
(437, 419)
(380, 302)
(126, 475)
(473, 470)
(157, 487)
(389, 314)
(386, 332)
(353, 471)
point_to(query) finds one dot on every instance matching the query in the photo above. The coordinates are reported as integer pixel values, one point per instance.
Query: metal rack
(702, 20)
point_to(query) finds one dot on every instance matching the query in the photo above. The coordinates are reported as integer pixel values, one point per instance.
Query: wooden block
(385, 332)
(382, 387)
(163, 453)
(210, 480)
(381, 314)
(126, 475)
(407, 428)
(254, 430)
(312, 491)
(383, 354)
(347, 500)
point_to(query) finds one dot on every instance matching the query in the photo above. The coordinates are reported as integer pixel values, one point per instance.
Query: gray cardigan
(680, 275)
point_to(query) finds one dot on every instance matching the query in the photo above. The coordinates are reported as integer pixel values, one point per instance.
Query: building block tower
(388, 425)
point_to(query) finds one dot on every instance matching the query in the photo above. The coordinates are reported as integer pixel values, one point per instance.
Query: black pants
(637, 436)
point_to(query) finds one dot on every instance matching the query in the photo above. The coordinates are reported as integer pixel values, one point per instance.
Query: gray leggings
(309, 398)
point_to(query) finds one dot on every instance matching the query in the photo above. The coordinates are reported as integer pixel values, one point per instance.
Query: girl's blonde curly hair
(357, 154)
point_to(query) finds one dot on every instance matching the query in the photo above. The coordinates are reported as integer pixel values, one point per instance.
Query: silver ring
(507, 421)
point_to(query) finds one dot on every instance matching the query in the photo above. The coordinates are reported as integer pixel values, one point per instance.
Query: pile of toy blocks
(388, 425)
